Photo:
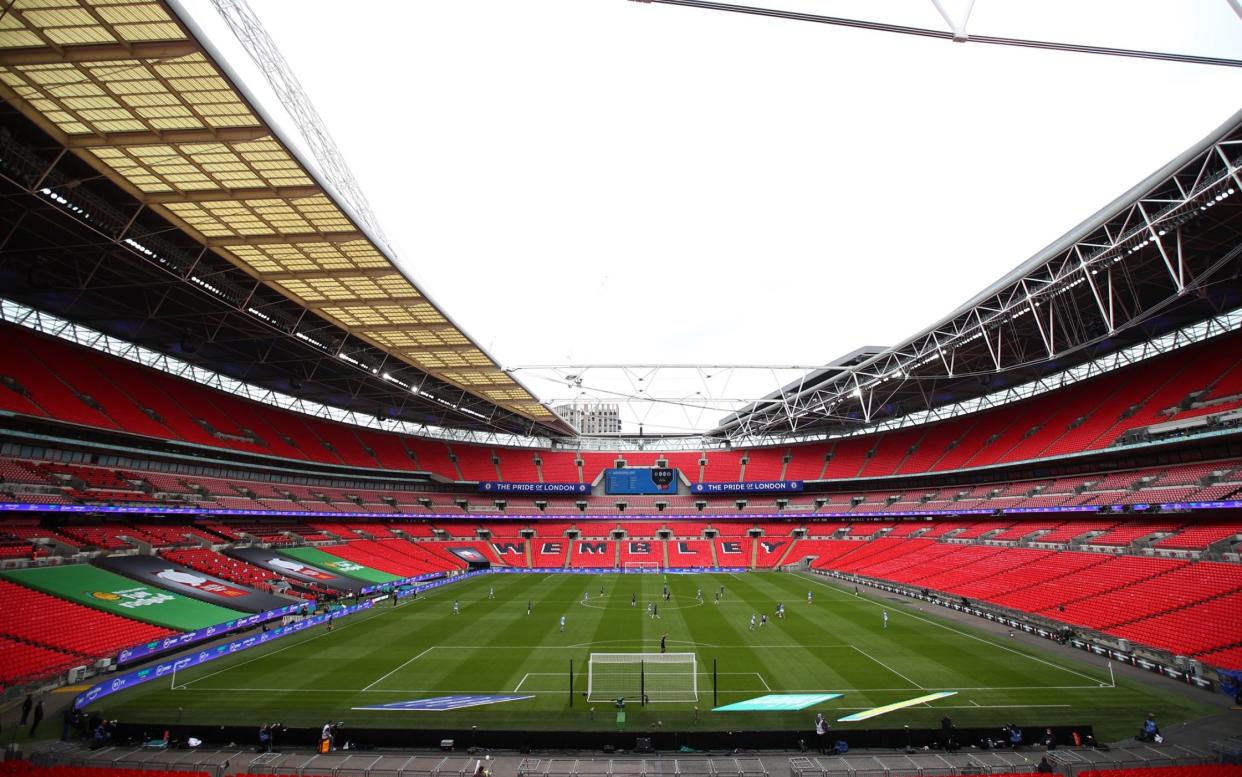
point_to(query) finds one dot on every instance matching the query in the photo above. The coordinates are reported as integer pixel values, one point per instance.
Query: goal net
(658, 676)
(640, 566)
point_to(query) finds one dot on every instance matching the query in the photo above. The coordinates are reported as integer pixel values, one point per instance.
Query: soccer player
(601, 592)
(717, 597)
(634, 600)
(663, 641)
(655, 611)
(562, 624)
(698, 594)
(456, 607)
(529, 605)
(650, 607)
(752, 621)
(885, 617)
(808, 597)
(780, 610)
(491, 593)
(586, 595)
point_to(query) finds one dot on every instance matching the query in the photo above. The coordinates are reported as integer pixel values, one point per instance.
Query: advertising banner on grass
(295, 569)
(192, 583)
(170, 667)
(104, 590)
(331, 563)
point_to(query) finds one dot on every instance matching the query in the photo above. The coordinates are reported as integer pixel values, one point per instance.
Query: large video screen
(640, 481)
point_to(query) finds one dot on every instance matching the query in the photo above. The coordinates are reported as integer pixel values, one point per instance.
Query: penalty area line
(399, 668)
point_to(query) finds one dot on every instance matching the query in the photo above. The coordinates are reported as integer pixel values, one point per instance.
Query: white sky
(603, 181)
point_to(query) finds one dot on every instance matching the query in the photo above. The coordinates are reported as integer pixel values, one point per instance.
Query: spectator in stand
(1050, 740)
(1045, 766)
(265, 739)
(26, 707)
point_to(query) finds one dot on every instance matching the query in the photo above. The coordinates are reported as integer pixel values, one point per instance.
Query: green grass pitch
(837, 644)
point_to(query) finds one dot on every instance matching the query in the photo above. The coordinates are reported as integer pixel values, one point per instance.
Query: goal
(640, 566)
(633, 676)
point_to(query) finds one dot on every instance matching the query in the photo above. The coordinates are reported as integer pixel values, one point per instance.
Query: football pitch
(838, 644)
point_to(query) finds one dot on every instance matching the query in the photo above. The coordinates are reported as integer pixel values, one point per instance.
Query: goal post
(659, 677)
(640, 566)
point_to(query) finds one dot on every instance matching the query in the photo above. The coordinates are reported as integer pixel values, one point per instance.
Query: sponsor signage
(167, 668)
(496, 487)
(370, 589)
(468, 555)
(157, 572)
(100, 509)
(294, 569)
(442, 703)
(779, 702)
(875, 712)
(641, 480)
(148, 649)
(757, 487)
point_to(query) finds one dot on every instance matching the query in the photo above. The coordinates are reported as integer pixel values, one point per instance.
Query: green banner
(94, 587)
(318, 558)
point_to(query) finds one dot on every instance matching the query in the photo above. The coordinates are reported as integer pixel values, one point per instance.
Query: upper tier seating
(57, 379)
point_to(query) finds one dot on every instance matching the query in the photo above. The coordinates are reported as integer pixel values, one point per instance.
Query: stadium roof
(1165, 254)
(125, 87)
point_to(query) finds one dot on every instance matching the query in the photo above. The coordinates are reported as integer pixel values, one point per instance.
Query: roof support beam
(416, 350)
(367, 301)
(111, 52)
(292, 239)
(344, 272)
(234, 195)
(169, 137)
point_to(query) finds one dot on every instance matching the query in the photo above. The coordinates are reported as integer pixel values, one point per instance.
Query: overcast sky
(604, 181)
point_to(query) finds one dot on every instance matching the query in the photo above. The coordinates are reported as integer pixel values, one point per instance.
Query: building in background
(592, 418)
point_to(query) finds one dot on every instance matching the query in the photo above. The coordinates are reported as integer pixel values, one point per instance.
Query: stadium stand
(77, 634)
(1089, 415)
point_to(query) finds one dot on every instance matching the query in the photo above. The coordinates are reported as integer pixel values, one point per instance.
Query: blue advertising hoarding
(496, 487)
(757, 487)
(166, 668)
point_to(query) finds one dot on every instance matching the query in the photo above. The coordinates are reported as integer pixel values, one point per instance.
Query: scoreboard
(637, 481)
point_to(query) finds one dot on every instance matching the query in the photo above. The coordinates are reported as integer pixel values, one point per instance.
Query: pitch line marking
(266, 654)
(407, 663)
(963, 633)
(886, 666)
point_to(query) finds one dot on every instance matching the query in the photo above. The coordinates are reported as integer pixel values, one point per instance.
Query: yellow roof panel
(358, 289)
(134, 95)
